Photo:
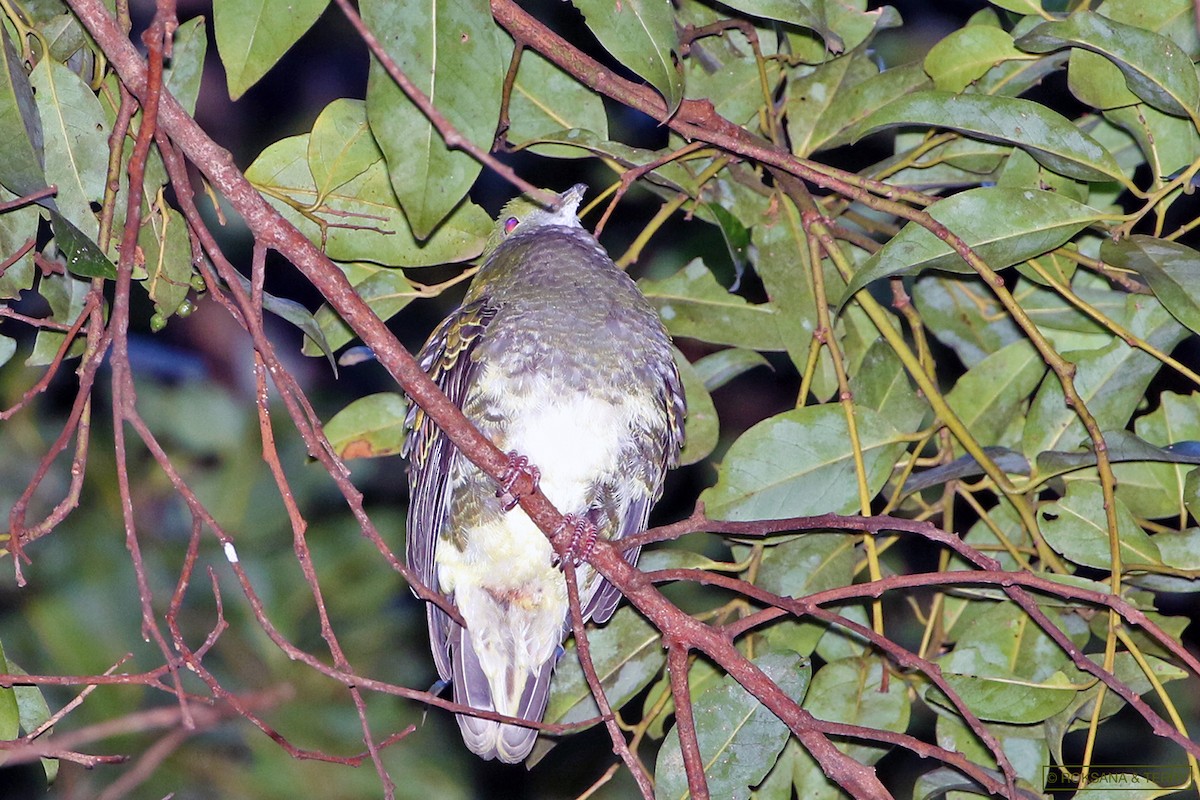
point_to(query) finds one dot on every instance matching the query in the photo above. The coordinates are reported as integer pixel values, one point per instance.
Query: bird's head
(521, 214)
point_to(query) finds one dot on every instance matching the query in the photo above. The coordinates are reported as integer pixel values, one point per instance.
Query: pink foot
(583, 535)
(518, 465)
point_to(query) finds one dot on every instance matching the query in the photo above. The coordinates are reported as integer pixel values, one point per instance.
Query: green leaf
(8, 347)
(783, 265)
(341, 146)
(801, 463)
(989, 395)
(1169, 143)
(1171, 269)
(717, 369)
(850, 690)
(83, 256)
(692, 304)
(724, 68)
(1044, 134)
(702, 428)
(810, 97)
(22, 158)
(188, 50)
(739, 738)
(451, 50)
(966, 55)
(76, 135)
(361, 220)
(1007, 669)
(1179, 550)
(252, 35)
(66, 295)
(546, 100)
(1155, 68)
(641, 35)
(671, 175)
(384, 289)
(1111, 381)
(10, 715)
(34, 712)
(628, 654)
(1004, 226)
(167, 248)
(1156, 490)
(369, 427)
(808, 564)
(964, 314)
(18, 230)
(1077, 529)
(882, 384)
(837, 124)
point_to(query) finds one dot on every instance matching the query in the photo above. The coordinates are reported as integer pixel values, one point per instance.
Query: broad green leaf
(717, 369)
(702, 428)
(850, 690)
(341, 146)
(188, 49)
(361, 220)
(847, 25)
(1019, 6)
(82, 255)
(76, 136)
(1008, 461)
(22, 158)
(252, 35)
(964, 314)
(384, 289)
(1111, 381)
(34, 712)
(627, 652)
(801, 463)
(739, 737)
(882, 384)
(10, 715)
(1179, 550)
(1171, 269)
(1007, 669)
(641, 35)
(1004, 226)
(1128, 786)
(787, 275)
(8, 347)
(807, 564)
(1156, 490)
(369, 427)
(66, 295)
(1169, 143)
(1024, 745)
(853, 104)
(1123, 447)
(166, 245)
(1155, 68)
(18, 231)
(545, 100)
(990, 394)
(692, 304)
(1047, 136)
(1076, 527)
(451, 50)
(723, 68)
(964, 56)
(810, 97)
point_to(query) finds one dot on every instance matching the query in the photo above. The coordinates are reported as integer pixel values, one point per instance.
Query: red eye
(510, 224)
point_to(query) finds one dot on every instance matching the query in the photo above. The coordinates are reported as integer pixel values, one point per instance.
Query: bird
(557, 357)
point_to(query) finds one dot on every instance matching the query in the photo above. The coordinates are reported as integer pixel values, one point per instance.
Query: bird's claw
(517, 466)
(583, 533)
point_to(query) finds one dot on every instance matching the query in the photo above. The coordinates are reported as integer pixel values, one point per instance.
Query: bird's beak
(571, 198)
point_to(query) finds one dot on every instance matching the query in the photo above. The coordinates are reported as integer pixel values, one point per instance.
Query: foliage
(983, 319)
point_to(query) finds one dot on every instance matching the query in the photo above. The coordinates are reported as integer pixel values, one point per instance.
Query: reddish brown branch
(685, 721)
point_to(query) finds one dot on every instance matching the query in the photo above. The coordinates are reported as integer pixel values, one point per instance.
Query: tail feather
(486, 738)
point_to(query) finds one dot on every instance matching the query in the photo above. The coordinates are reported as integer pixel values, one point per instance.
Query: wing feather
(448, 359)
